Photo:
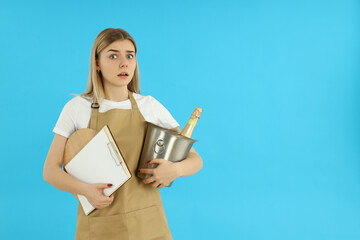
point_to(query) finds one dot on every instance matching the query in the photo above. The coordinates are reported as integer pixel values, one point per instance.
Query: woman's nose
(123, 62)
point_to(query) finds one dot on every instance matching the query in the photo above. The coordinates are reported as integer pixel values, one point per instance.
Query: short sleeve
(162, 115)
(66, 123)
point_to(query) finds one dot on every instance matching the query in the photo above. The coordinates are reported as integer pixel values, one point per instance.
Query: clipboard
(99, 161)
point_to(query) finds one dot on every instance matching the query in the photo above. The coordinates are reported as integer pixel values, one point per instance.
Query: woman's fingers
(103, 185)
(105, 202)
(97, 198)
(149, 180)
(147, 170)
(157, 184)
(109, 200)
(156, 161)
(160, 186)
(153, 182)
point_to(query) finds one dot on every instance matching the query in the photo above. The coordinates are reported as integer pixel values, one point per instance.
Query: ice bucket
(163, 143)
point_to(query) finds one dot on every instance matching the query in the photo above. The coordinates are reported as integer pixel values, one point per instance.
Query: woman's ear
(97, 65)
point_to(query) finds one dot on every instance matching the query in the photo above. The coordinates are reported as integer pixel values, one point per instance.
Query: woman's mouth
(123, 75)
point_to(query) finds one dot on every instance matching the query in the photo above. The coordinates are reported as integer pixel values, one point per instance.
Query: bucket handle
(159, 146)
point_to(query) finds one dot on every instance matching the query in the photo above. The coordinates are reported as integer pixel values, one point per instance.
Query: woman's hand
(95, 195)
(162, 175)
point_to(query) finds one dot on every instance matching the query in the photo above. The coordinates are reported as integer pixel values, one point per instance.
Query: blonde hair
(95, 88)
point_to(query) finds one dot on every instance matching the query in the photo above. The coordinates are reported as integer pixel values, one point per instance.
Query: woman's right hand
(95, 195)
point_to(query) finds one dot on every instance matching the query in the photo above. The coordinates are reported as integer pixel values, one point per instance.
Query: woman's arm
(56, 176)
(191, 164)
(167, 171)
(53, 173)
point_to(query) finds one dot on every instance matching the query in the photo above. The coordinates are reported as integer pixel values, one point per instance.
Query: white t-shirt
(77, 112)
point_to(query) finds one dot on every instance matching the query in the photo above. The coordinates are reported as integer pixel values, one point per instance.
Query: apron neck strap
(95, 110)
(94, 114)
(134, 106)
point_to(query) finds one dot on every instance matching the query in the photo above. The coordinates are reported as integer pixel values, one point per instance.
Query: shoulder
(148, 102)
(145, 98)
(154, 112)
(76, 100)
(75, 104)
(142, 98)
(80, 101)
(144, 101)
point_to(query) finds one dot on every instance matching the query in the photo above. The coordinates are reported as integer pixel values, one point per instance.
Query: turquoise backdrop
(279, 135)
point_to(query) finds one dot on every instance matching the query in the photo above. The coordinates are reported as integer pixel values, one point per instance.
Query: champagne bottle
(189, 127)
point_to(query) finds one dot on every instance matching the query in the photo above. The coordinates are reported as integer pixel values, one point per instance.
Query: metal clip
(113, 154)
(95, 105)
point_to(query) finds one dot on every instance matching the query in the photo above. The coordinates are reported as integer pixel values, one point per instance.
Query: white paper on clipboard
(100, 161)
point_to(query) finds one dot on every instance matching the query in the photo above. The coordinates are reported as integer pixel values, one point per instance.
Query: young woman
(135, 210)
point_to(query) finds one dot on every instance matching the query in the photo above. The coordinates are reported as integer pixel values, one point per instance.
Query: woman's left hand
(162, 175)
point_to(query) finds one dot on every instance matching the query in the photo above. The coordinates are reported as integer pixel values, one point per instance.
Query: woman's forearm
(190, 165)
(58, 178)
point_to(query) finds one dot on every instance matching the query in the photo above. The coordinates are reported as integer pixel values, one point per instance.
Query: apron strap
(95, 111)
(94, 115)
(134, 105)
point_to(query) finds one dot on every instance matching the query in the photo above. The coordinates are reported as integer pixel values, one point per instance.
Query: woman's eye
(113, 56)
(130, 56)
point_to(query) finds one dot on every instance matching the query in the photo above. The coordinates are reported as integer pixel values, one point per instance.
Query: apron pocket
(108, 227)
(148, 224)
(144, 224)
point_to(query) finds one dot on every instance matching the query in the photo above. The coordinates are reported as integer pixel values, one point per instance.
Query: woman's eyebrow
(114, 50)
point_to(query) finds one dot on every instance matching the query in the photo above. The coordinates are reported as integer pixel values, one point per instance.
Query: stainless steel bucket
(163, 143)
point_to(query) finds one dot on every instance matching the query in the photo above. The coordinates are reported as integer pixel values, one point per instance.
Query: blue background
(279, 134)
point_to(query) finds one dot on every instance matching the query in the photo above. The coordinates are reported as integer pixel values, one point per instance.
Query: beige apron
(137, 212)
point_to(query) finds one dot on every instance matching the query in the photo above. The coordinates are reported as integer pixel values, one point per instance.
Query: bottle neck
(189, 127)
(192, 121)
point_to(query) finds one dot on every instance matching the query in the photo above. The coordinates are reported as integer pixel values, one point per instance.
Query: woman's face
(117, 63)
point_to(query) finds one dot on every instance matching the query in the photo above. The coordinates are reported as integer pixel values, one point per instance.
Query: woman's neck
(116, 94)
